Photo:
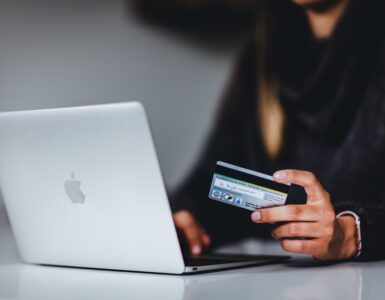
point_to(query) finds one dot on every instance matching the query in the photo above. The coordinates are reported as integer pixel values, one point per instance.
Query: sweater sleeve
(372, 218)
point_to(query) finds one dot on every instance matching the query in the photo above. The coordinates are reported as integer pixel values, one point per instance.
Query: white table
(301, 278)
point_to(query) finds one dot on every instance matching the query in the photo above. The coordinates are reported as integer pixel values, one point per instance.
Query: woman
(307, 103)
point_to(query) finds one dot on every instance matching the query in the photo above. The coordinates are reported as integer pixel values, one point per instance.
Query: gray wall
(58, 53)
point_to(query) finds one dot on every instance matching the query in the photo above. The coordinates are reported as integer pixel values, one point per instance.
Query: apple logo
(73, 191)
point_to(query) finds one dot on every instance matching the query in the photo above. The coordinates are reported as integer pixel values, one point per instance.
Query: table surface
(300, 278)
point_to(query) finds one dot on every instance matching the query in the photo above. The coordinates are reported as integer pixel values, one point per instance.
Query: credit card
(249, 189)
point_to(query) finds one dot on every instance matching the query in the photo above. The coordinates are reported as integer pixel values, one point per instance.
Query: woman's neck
(323, 22)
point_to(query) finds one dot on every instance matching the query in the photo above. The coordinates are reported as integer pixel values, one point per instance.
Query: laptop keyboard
(217, 259)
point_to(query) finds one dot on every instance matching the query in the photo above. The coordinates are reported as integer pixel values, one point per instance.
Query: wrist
(348, 227)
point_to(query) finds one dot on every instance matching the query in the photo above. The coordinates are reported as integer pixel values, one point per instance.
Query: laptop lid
(83, 187)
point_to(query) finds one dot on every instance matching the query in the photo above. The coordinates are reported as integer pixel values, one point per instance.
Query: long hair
(269, 109)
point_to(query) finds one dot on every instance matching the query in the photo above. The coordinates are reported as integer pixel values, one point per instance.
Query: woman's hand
(320, 233)
(196, 237)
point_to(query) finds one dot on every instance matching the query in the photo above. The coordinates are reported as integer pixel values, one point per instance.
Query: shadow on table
(8, 249)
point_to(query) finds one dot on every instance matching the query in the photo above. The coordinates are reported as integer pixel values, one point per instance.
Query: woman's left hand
(318, 231)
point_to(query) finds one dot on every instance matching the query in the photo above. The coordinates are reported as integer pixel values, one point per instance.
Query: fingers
(286, 213)
(196, 239)
(195, 235)
(205, 238)
(307, 229)
(308, 180)
(297, 229)
(300, 246)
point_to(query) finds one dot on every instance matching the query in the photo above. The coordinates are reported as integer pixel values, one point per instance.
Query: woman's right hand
(195, 236)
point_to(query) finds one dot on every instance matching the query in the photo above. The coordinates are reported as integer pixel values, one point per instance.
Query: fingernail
(256, 216)
(279, 175)
(196, 250)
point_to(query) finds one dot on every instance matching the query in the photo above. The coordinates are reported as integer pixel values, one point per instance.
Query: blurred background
(173, 56)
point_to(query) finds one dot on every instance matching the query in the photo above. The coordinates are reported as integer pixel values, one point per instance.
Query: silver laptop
(82, 187)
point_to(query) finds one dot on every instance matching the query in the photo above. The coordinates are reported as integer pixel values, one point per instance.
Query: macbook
(83, 188)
